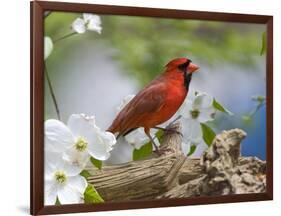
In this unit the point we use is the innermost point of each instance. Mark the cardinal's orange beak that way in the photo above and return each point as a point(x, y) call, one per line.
point(192, 68)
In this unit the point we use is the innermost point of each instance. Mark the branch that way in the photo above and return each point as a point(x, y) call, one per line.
point(220, 170)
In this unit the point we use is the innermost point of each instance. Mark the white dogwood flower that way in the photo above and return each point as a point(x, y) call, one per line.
point(196, 109)
point(48, 47)
point(200, 108)
point(62, 181)
point(90, 22)
point(79, 140)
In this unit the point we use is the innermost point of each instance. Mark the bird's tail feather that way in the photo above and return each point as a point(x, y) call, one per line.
point(120, 133)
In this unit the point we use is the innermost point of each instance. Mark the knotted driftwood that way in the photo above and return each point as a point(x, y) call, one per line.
point(220, 170)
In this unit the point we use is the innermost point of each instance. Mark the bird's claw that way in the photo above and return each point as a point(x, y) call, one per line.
point(158, 152)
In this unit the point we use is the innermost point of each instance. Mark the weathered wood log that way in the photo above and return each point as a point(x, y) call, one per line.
point(220, 170)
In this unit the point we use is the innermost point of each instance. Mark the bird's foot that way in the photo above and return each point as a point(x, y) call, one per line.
point(159, 152)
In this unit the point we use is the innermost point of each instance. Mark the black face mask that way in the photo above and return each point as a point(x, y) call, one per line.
point(187, 76)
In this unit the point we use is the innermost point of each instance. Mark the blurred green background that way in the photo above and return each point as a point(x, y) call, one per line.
point(92, 72)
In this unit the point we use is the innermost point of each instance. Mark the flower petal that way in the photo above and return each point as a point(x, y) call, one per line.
point(137, 138)
point(48, 47)
point(185, 147)
point(93, 27)
point(206, 114)
point(192, 130)
point(121, 153)
point(68, 195)
point(49, 167)
point(200, 149)
point(50, 192)
point(78, 183)
point(76, 158)
point(95, 18)
point(202, 101)
point(57, 136)
point(110, 139)
point(81, 125)
point(57, 163)
point(186, 109)
point(52, 158)
point(79, 25)
point(70, 169)
point(93, 22)
point(100, 144)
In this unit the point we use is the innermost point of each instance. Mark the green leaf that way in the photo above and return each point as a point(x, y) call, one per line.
point(260, 98)
point(91, 195)
point(192, 150)
point(85, 174)
point(263, 46)
point(220, 107)
point(57, 201)
point(159, 134)
point(247, 120)
point(143, 152)
point(97, 163)
point(208, 134)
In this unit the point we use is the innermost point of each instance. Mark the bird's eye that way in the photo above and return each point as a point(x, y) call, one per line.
point(183, 67)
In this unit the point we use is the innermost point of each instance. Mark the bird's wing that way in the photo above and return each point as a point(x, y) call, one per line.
point(147, 101)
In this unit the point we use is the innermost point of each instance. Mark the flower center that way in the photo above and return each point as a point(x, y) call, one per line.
point(81, 144)
point(60, 177)
point(194, 113)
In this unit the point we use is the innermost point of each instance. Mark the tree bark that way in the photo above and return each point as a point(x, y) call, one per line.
point(220, 170)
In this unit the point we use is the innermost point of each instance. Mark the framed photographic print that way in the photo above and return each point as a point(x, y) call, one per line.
point(140, 107)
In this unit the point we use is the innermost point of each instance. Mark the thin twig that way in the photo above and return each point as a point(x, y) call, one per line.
point(65, 36)
point(257, 108)
point(52, 93)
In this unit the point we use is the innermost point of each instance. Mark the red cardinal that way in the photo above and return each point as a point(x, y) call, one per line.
point(158, 101)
